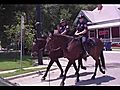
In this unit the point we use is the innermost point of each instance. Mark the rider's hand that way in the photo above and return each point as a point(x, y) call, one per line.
point(75, 36)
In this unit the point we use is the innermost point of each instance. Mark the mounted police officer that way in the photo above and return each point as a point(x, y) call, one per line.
point(62, 27)
point(82, 30)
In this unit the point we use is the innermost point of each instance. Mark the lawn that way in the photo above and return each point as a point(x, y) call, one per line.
point(9, 61)
point(20, 71)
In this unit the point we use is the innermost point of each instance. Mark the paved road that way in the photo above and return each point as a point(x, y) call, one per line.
point(111, 78)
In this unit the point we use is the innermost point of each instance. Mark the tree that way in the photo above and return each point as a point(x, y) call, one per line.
point(11, 24)
point(51, 15)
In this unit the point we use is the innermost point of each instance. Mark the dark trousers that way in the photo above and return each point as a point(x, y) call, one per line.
point(84, 41)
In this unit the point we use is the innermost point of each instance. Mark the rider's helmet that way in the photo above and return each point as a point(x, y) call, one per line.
point(62, 21)
point(81, 16)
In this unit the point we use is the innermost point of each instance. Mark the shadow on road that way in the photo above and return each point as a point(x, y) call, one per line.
point(96, 81)
point(71, 76)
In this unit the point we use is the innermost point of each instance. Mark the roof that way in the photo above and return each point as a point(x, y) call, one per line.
point(108, 12)
point(104, 25)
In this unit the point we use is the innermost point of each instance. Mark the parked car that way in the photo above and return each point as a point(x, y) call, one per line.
point(115, 44)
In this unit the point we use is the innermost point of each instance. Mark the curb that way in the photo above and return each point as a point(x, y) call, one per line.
point(4, 82)
point(2, 72)
point(27, 74)
point(111, 52)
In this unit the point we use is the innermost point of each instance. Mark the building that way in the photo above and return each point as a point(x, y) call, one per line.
point(103, 22)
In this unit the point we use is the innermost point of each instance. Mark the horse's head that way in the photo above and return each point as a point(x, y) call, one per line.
point(49, 43)
point(55, 41)
point(39, 44)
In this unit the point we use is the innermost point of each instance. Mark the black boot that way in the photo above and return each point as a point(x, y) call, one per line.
point(85, 53)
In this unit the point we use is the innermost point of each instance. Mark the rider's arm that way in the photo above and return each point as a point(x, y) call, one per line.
point(56, 30)
point(83, 32)
point(64, 32)
point(58, 27)
point(79, 33)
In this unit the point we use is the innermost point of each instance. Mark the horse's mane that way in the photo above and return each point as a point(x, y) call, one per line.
point(64, 36)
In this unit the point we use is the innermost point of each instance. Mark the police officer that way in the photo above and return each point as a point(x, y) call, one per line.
point(62, 27)
point(82, 30)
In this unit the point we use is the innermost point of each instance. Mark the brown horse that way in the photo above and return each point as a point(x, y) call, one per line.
point(72, 51)
point(54, 55)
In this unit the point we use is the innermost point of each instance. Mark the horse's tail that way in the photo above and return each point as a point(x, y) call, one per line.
point(102, 59)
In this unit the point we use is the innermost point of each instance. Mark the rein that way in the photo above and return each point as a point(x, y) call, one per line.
point(52, 50)
point(40, 39)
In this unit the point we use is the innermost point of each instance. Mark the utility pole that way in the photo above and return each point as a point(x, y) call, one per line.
point(21, 40)
point(39, 30)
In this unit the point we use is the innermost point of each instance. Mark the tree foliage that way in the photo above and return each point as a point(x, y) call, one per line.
point(51, 14)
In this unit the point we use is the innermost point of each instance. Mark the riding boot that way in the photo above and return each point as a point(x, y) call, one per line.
point(85, 53)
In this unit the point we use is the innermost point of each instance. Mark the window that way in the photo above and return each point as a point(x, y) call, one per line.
point(92, 33)
point(104, 33)
point(115, 32)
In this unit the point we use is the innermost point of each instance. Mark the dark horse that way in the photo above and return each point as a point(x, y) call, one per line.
point(72, 51)
point(54, 55)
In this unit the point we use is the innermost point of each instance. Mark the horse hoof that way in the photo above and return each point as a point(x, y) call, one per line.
point(83, 67)
point(62, 84)
point(93, 77)
point(103, 72)
point(43, 78)
point(77, 80)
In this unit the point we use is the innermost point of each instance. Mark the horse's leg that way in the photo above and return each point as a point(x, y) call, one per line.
point(80, 63)
point(96, 66)
point(49, 65)
point(102, 62)
point(77, 72)
point(60, 67)
point(101, 68)
point(66, 69)
point(75, 67)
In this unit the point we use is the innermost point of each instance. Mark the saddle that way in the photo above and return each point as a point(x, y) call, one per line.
point(91, 42)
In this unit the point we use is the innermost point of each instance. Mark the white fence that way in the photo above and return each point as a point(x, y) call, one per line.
point(113, 40)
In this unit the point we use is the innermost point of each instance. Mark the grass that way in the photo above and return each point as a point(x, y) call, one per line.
point(10, 65)
point(20, 71)
point(10, 61)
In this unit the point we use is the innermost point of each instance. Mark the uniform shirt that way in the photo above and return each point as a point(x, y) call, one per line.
point(81, 26)
point(63, 28)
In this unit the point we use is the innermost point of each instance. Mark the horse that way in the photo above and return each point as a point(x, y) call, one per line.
point(72, 50)
point(54, 55)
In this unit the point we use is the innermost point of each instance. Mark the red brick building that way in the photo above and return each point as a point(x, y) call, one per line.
point(103, 22)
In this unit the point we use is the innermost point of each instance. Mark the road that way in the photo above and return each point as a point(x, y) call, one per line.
point(110, 78)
